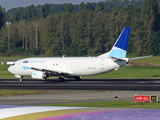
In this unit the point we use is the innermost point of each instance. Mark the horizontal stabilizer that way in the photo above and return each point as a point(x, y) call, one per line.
point(121, 59)
point(140, 57)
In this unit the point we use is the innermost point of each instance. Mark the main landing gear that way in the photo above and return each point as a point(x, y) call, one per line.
point(61, 79)
point(77, 78)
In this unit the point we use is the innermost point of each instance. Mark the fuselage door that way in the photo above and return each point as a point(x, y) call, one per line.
point(102, 64)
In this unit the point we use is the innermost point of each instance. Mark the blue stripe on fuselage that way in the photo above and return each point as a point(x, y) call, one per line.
point(26, 68)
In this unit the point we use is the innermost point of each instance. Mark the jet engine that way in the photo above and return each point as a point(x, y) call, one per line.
point(39, 75)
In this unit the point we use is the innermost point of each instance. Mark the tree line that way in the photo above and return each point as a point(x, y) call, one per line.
point(42, 11)
point(85, 32)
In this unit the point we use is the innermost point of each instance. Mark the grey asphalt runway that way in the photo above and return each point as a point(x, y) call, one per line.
point(85, 84)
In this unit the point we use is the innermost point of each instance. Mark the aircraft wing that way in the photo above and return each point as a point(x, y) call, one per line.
point(56, 72)
point(140, 57)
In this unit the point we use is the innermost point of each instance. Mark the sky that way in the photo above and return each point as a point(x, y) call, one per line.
point(8, 4)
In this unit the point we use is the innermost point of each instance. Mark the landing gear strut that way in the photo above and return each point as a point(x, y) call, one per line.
point(21, 79)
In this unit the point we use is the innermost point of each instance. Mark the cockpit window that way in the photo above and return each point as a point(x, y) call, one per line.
point(13, 64)
point(26, 61)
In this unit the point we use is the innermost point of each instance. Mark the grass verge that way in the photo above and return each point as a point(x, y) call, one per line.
point(131, 72)
point(112, 104)
point(19, 92)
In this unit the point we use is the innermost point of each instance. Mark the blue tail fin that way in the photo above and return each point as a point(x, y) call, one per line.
point(119, 50)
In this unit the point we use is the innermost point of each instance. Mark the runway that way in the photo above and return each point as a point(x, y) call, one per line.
point(85, 84)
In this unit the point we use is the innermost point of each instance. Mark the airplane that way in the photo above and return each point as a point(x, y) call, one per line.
point(44, 67)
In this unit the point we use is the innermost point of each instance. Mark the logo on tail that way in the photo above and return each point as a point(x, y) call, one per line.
point(119, 50)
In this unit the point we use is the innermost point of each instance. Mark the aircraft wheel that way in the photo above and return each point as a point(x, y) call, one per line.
point(61, 79)
point(78, 78)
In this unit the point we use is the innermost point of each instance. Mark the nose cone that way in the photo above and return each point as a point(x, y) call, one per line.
point(11, 70)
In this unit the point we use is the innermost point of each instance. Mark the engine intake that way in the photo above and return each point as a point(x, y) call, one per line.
point(39, 75)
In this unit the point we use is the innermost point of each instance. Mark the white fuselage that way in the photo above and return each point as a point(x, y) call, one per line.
point(74, 66)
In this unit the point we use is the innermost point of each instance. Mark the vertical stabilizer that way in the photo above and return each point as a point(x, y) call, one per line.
point(119, 50)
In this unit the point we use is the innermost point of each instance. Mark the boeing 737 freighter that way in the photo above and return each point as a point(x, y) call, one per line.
point(42, 68)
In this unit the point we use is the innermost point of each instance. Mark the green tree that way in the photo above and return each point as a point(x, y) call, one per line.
point(3, 43)
point(150, 15)
point(100, 6)
point(68, 7)
point(150, 20)
point(2, 16)
point(82, 6)
point(155, 43)
point(31, 12)
point(45, 10)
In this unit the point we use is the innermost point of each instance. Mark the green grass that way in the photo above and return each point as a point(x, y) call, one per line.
point(18, 92)
point(4, 72)
point(112, 104)
point(131, 72)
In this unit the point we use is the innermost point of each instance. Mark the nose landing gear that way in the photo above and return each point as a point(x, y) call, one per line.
point(21, 79)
